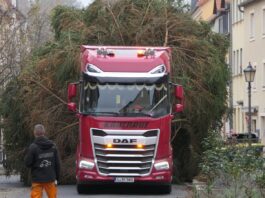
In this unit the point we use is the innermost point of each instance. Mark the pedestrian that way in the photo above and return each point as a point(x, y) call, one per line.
point(43, 159)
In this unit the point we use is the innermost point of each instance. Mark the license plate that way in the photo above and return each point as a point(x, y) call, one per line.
point(124, 180)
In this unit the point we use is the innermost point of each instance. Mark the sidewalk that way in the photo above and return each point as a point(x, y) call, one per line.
point(10, 187)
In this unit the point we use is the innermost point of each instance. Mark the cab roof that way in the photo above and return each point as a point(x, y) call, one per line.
point(125, 59)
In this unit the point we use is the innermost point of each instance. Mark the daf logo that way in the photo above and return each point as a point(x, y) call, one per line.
point(116, 140)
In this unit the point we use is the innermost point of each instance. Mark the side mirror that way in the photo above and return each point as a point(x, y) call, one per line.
point(179, 94)
point(72, 87)
point(179, 108)
point(71, 106)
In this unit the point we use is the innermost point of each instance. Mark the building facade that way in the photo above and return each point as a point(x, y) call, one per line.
point(217, 14)
point(247, 40)
point(254, 42)
point(238, 79)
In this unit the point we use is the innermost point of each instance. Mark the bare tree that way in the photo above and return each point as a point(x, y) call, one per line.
point(12, 24)
point(20, 33)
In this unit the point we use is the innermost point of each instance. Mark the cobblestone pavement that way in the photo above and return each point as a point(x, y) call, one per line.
point(10, 187)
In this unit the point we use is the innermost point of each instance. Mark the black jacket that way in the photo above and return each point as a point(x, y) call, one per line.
point(43, 160)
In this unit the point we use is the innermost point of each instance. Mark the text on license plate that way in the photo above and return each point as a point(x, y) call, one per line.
point(124, 180)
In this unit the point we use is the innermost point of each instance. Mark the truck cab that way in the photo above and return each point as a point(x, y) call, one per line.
point(125, 111)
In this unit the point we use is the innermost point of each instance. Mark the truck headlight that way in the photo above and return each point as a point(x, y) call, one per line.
point(158, 70)
point(161, 165)
point(86, 164)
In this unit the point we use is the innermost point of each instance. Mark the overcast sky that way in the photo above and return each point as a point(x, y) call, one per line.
point(86, 2)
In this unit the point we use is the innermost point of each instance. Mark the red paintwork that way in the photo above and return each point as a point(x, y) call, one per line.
point(94, 176)
point(87, 122)
point(125, 63)
point(164, 150)
point(128, 62)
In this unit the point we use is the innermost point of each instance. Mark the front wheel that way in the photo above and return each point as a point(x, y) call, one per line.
point(81, 188)
point(165, 189)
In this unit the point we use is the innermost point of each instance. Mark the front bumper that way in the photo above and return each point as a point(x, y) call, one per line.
point(156, 178)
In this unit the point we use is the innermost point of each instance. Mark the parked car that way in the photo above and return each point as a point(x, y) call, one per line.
point(243, 138)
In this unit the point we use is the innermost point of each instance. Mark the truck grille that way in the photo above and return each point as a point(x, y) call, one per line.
point(124, 159)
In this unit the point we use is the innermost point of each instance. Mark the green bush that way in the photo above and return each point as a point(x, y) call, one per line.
point(236, 168)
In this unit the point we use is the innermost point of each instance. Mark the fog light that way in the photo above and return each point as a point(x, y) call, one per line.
point(140, 146)
point(162, 166)
point(86, 164)
point(109, 146)
point(159, 177)
point(88, 176)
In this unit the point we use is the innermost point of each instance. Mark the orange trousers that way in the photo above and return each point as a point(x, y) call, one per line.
point(49, 187)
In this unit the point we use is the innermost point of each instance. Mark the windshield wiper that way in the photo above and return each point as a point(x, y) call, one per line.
point(158, 103)
point(104, 112)
point(146, 114)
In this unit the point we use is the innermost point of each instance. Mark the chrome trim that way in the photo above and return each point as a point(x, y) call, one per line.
point(140, 139)
point(124, 162)
point(127, 174)
point(122, 149)
point(145, 163)
point(122, 155)
point(125, 75)
point(123, 168)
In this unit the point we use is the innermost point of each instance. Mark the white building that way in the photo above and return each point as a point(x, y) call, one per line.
point(254, 52)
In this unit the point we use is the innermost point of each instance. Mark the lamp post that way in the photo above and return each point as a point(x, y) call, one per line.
point(249, 77)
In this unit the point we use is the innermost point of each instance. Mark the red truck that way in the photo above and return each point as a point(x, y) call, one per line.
point(125, 113)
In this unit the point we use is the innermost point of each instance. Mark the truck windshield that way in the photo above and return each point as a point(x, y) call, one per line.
point(137, 100)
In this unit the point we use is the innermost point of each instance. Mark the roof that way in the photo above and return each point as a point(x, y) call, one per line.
point(125, 59)
point(219, 5)
point(201, 2)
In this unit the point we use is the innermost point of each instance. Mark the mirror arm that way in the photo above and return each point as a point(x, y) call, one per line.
point(173, 84)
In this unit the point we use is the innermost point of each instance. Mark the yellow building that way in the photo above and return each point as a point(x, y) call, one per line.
point(216, 13)
point(203, 10)
point(238, 79)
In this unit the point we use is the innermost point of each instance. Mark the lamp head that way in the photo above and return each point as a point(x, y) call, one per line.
point(249, 73)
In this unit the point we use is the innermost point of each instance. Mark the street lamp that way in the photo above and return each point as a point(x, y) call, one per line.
point(249, 77)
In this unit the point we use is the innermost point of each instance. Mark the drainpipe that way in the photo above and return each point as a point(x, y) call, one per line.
point(230, 114)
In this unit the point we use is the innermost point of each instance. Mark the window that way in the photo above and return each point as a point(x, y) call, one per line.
point(125, 100)
point(237, 61)
point(263, 76)
point(241, 14)
point(263, 21)
point(221, 25)
point(225, 23)
point(236, 10)
point(251, 25)
point(234, 63)
point(241, 61)
point(255, 78)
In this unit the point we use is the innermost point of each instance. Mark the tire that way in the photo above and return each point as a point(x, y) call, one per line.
point(165, 189)
point(81, 189)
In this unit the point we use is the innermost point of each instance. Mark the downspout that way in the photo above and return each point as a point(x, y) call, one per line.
point(230, 114)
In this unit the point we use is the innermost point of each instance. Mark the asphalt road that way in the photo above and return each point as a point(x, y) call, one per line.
point(12, 188)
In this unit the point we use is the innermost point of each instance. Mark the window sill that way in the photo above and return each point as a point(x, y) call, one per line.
point(251, 39)
point(237, 75)
point(238, 21)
